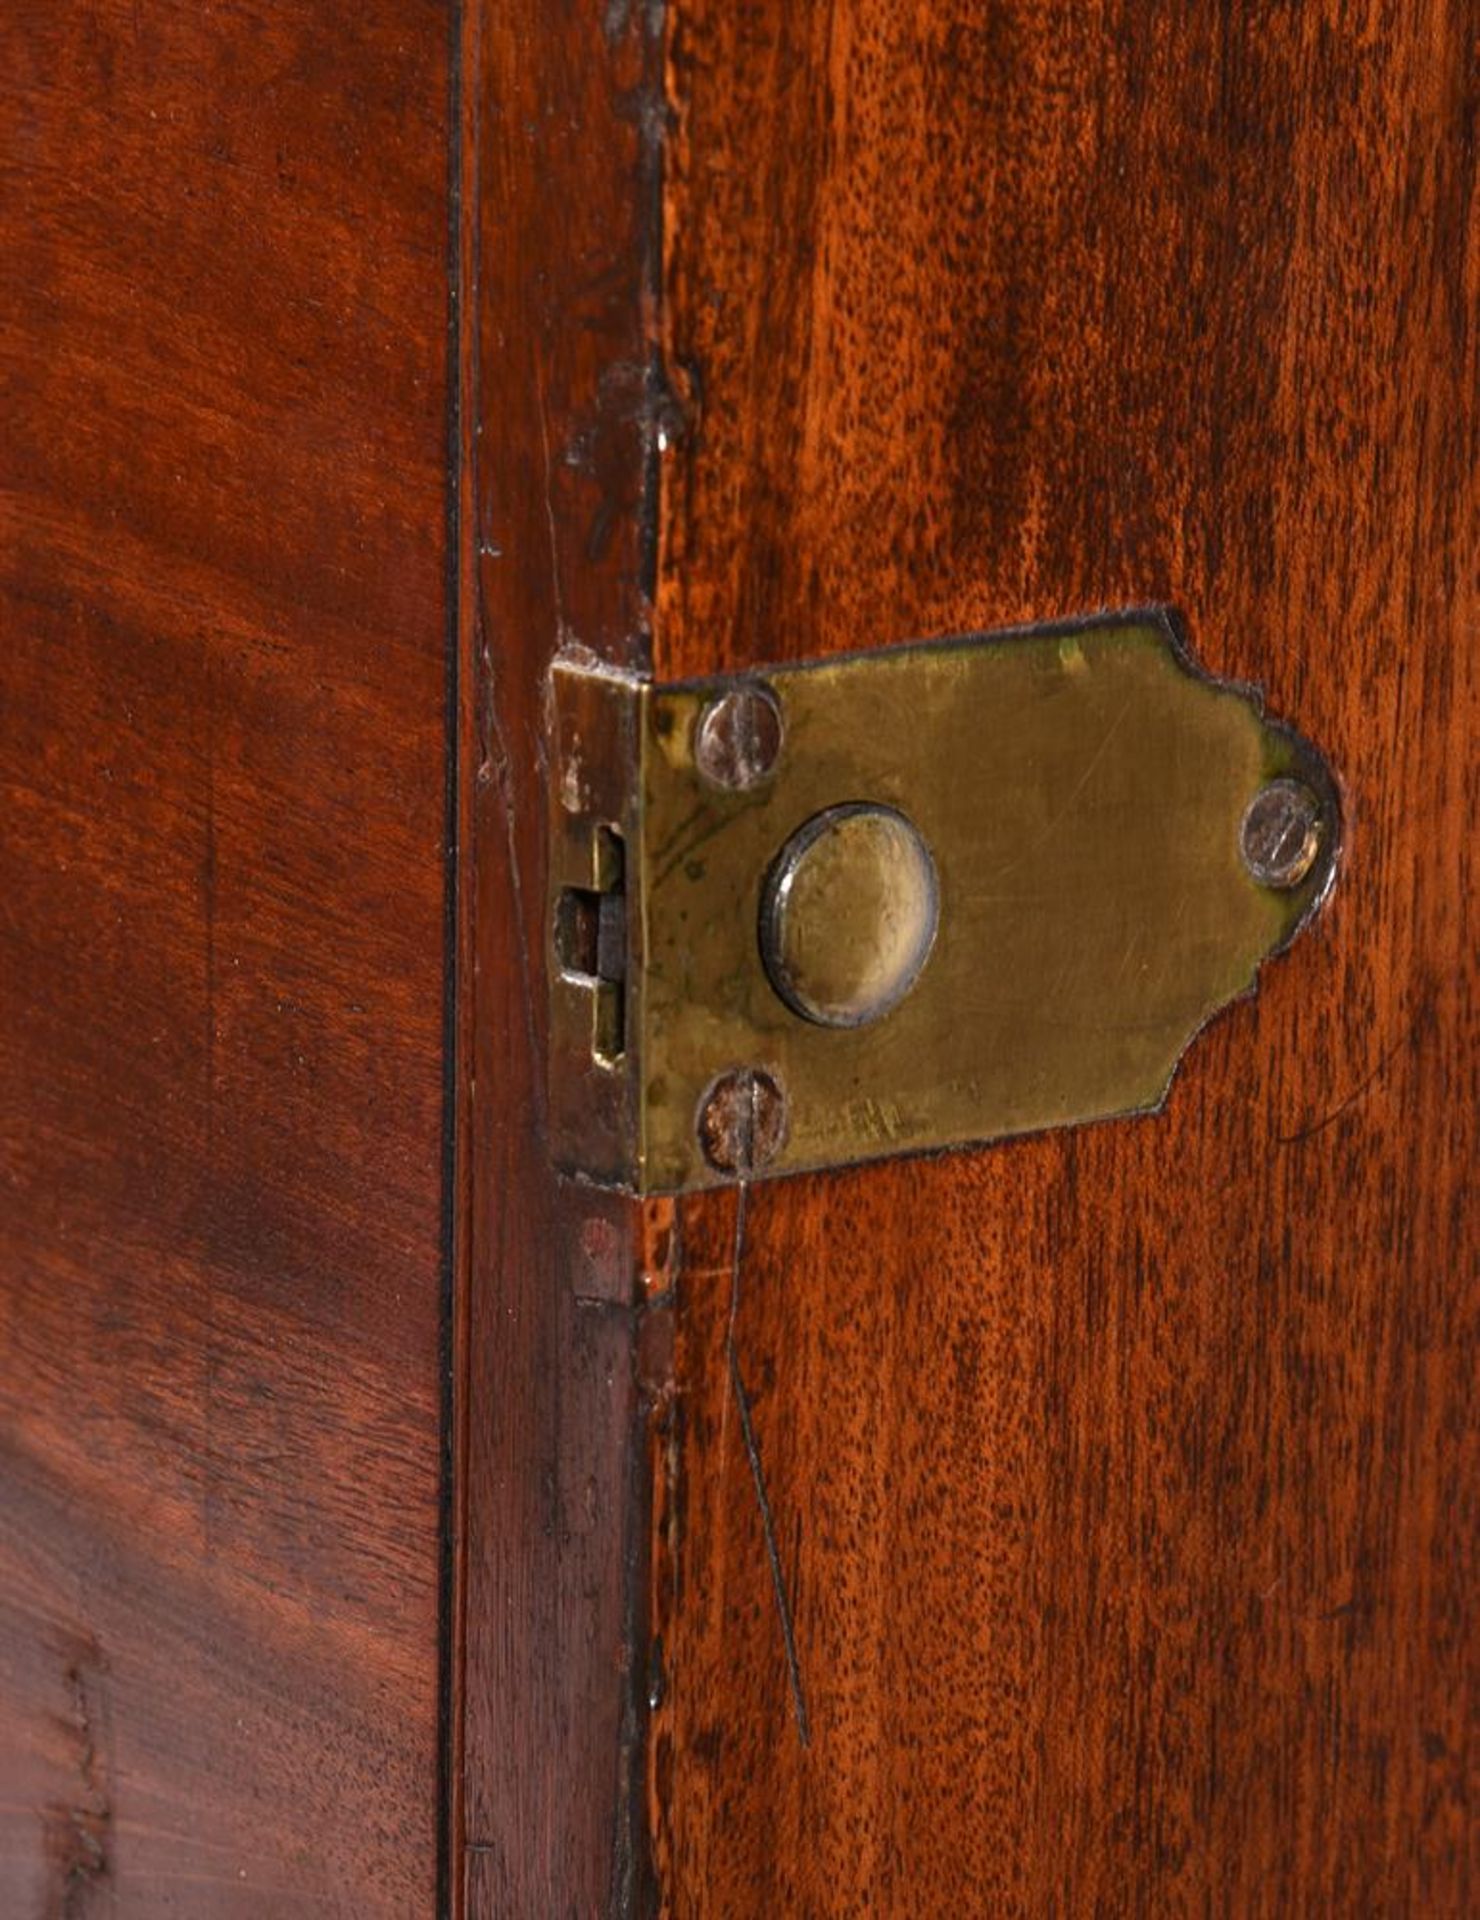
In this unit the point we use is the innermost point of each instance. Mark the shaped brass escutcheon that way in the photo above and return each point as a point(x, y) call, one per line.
point(1096, 847)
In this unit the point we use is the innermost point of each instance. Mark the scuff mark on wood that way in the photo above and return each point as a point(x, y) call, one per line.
point(78, 1826)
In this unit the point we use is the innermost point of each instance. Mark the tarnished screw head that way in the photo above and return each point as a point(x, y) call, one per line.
point(742, 1120)
point(1281, 833)
point(738, 738)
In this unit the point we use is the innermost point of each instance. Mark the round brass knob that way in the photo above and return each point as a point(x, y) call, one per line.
point(848, 914)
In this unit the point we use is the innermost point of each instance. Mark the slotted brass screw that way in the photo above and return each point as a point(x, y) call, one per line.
point(1281, 833)
point(742, 1121)
point(738, 738)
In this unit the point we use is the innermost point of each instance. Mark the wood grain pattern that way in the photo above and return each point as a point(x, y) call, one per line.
point(559, 263)
point(1125, 1482)
point(222, 674)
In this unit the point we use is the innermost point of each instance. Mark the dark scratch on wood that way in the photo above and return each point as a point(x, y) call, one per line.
point(1364, 1086)
point(496, 768)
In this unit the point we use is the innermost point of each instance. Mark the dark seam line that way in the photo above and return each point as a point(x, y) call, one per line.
point(447, 1865)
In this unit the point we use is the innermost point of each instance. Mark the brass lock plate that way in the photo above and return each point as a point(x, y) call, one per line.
point(915, 898)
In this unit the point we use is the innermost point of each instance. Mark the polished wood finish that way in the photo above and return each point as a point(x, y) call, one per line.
point(224, 234)
point(1124, 1482)
point(562, 119)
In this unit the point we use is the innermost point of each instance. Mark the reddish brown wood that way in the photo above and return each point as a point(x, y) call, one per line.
point(563, 118)
point(222, 668)
point(1125, 1481)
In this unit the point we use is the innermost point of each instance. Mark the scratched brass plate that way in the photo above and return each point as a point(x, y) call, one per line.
point(1081, 791)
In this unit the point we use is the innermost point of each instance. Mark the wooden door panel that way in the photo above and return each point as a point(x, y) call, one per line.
point(1122, 1481)
point(392, 1524)
point(222, 723)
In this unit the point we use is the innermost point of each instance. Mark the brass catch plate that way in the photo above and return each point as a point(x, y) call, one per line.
point(1082, 792)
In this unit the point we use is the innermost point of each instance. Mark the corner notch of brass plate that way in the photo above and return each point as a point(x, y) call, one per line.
point(936, 894)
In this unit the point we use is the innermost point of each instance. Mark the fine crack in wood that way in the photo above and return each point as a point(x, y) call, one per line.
point(752, 1446)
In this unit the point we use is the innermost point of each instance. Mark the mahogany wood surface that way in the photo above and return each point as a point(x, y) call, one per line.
point(562, 118)
point(223, 646)
point(1125, 1482)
